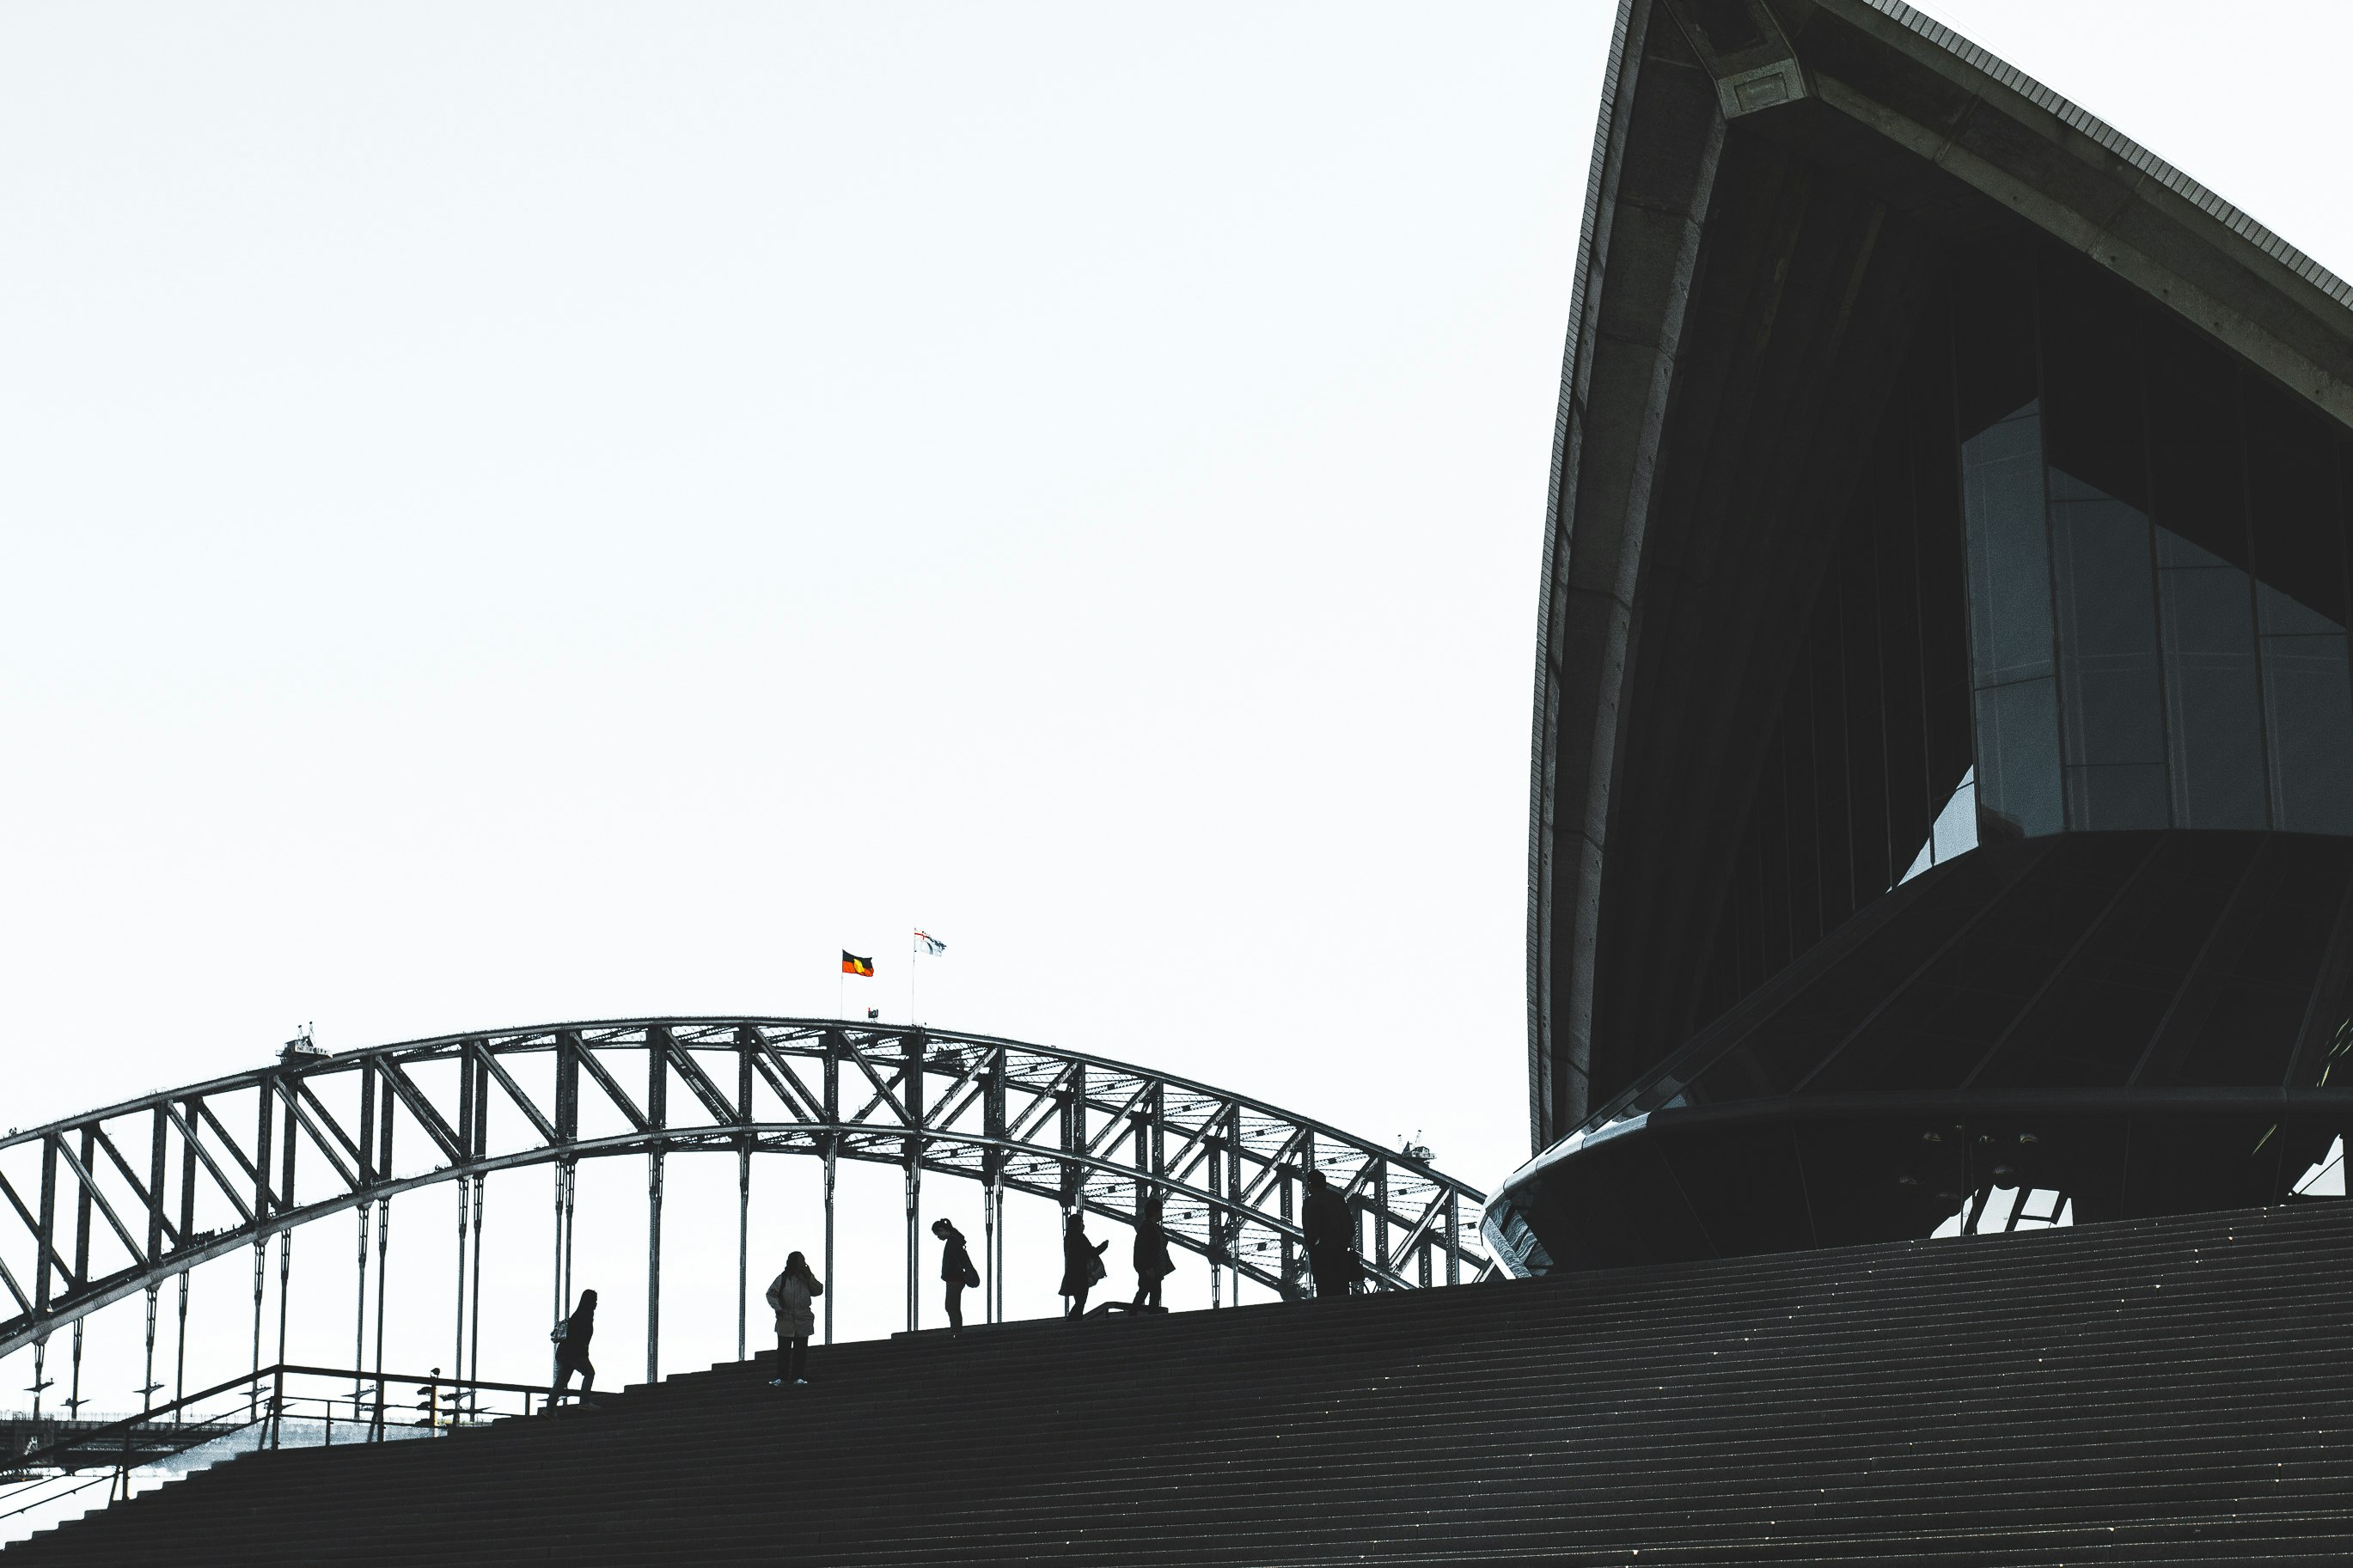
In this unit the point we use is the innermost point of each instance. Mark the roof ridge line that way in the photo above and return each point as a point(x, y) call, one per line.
point(2173, 179)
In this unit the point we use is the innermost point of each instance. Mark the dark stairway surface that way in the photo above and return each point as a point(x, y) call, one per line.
point(2153, 1391)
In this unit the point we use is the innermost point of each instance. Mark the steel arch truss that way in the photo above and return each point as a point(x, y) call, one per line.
point(102, 1206)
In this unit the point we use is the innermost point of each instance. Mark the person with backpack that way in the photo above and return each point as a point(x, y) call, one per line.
point(956, 1271)
point(1082, 1262)
point(572, 1337)
point(793, 1295)
point(1153, 1263)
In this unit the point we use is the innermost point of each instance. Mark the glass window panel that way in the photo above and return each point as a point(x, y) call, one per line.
point(2018, 787)
point(2108, 631)
point(2009, 560)
point(2208, 617)
point(2118, 798)
point(2308, 710)
point(2278, 614)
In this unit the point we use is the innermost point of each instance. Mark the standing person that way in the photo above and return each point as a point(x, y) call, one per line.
point(1153, 1263)
point(571, 1349)
point(956, 1271)
point(1331, 1232)
point(792, 1294)
point(1082, 1263)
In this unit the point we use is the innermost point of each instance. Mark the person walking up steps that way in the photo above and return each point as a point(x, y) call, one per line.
point(1153, 1263)
point(1331, 1235)
point(956, 1271)
point(1082, 1263)
point(572, 1337)
point(792, 1295)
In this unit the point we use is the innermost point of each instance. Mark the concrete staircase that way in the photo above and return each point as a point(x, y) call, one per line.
point(2165, 1392)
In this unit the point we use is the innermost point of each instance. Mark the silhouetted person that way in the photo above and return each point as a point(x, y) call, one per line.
point(572, 1349)
point(1331, 1234)
point(1082, 1263)
point(956, 1271)
point(793, 1294)
point(1153, 1263)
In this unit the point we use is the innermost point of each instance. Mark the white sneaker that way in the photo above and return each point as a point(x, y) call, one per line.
point(800, 1383)
point(775, 1382)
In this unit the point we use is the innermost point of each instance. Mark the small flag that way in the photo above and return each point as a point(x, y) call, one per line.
point(872, 1013)
point(853, 964)
point(933, 946)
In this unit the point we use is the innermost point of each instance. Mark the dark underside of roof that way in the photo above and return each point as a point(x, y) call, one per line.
point(1751, 290)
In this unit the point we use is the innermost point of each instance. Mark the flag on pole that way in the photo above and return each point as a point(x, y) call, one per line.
point(853, 964)
point(933, 946)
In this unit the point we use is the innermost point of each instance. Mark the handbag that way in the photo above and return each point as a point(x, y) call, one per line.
point(563, 1330)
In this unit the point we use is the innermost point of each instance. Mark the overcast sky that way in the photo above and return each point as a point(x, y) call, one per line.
point(514, 512)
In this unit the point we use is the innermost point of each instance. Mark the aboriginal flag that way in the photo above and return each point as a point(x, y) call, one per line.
point(853, 964)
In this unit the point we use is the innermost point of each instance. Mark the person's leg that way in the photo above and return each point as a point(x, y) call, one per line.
point(1078, 1301)
point(588, 1377)
point(799, 1359)
point(955, 1306)
point(1154, 1303)
point(563, 1379)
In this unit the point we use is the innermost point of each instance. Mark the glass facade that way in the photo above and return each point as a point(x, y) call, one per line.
point(2157, 582)
point(2092, 576)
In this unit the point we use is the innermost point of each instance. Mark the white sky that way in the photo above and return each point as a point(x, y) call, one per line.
point(530, 511)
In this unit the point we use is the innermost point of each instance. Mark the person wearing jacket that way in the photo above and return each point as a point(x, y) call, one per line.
point(956, 1271)
point(571, 1349)
point(793, 1295)
point(1153, 1263)
point(1082, 1263)
point(1330, 1232)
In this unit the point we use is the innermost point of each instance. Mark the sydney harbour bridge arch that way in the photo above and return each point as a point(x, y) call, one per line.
point(127, 1200)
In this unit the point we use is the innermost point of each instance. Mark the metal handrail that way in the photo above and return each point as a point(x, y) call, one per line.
point(276, 1374)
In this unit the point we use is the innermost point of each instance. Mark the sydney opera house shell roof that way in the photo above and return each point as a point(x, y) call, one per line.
point(1942, 808)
